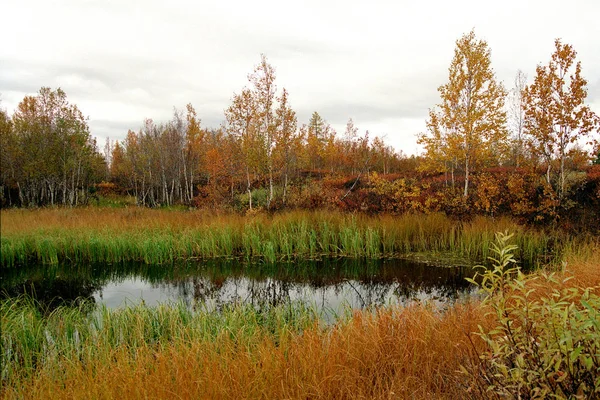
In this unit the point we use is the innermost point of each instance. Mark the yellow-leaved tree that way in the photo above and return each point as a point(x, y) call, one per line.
point(467, 129)
point(242, 124)
point(555, 113)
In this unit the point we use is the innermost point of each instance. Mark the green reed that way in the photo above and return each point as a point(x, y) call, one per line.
point(282, 236)
point(32, 337)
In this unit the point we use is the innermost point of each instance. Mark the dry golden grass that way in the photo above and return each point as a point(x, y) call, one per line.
point(585, 268)
point(24, 221)
point(410, 353)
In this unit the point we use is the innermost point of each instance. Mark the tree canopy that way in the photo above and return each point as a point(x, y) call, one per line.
point(264, 157)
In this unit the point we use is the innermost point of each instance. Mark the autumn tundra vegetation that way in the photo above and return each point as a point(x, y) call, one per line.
point(508, 178)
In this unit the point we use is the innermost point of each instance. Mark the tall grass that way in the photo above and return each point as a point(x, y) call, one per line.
point(33, 339)
point(241, 353)
point(50, 236)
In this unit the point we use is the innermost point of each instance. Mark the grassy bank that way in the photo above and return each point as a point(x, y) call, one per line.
point(50, 236)
point(414, 352)
point(163, 352)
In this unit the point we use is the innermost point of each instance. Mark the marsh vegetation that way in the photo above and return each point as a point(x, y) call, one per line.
point(251, 222)
point(50, 236)
point(271, 349)
point(282, 351)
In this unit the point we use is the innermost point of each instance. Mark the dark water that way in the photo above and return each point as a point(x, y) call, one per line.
point(331, 285)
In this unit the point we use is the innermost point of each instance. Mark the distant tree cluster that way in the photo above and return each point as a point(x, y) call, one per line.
point(486, 150)
point(257, 157)
point(47, 153)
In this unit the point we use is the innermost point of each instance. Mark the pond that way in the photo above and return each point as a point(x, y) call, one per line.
point(332, 286)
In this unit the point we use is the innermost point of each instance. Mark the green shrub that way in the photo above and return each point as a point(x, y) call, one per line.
point(546, 342)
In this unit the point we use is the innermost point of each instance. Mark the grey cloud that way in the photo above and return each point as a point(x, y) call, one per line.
point(155, 78)
point(396, 99)
point(340, 113)
point(291, 47)
point(12, 85)
point(112, 125)
point(594, 91)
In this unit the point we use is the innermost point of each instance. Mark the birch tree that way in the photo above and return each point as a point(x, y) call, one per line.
point(469, 125)
point(516, 116)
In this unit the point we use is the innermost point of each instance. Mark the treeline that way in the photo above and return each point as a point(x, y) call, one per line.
point(48, 156)
point(255, 158)
point(181, 162)
point(487, 150)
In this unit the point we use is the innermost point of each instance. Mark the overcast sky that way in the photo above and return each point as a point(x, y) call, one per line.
point(378, 62)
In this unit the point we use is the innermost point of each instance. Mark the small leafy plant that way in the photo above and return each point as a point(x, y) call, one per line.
point(546, 342)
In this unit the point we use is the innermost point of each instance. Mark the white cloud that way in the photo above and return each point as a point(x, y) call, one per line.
point(378, 62)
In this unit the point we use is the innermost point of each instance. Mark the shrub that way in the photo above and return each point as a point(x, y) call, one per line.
point(546, 342)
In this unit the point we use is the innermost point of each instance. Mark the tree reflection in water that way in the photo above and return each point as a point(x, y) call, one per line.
point(217, 283)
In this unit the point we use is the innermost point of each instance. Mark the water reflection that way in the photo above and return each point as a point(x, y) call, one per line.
point(331, 284)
